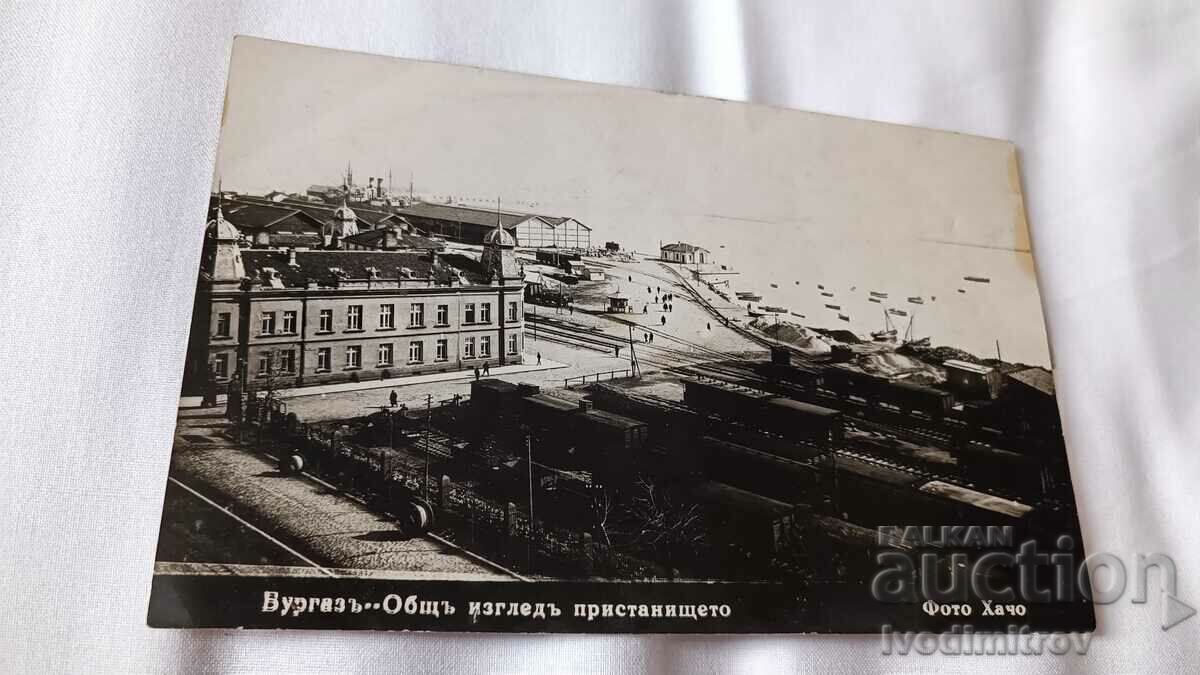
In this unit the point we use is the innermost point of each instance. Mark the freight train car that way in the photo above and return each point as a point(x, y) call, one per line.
point(743, 519)
point(874, 494)
point(755, 409)
point(879, 392)
point(802, 377)
point(790, 479)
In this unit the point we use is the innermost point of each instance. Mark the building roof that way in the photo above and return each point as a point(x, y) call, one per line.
point(967, 366)
point(253, 217)
point(371, 238)
point(463, 214)
point(319, 265)
point(1038, 379)
point(681, 247)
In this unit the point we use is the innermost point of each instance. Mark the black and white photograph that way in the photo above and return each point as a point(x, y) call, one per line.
point(473, 350)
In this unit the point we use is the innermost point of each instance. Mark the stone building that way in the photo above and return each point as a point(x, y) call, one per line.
point(289, 318)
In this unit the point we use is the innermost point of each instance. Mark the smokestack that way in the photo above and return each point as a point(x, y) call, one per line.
point(292, 258)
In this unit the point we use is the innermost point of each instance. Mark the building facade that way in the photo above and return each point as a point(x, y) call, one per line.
point(686, 254)
point(271, 318)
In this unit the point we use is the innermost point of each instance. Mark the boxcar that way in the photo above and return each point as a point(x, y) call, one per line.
point(795, 419)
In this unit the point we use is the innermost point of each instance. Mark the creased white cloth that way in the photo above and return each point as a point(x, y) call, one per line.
point(108, 128)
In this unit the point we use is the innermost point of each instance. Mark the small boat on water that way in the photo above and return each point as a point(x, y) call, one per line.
point(797, 283)
point(798, 314)
point(888, 334)
point(854, 288)
point(879, 294)
point(916, 300)
point(897, 312)
point(962, 290)
point(978, 280)
point(827, 294)
point(923, 342)
point(772, 309)
point(748, 295)
point(933, 298)
point(843, 317)
point(821, 286)
point(833, 306)
point(875, 300)
point(774, 285)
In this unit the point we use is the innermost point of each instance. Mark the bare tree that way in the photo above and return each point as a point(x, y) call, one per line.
point(602, 508)
point(663, 524)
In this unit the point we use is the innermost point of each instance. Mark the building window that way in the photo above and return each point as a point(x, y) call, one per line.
point(324, 357)
point(485, 312)
point(385, 354)
point(354, 357)
point(268, 323)
point(354, 317)
point(223, 321)
point(443, 315)
point(469, 312)
point(416, 351)
point(387, 316)
point(512, 310)
point(287, 361)
point(441, 350)
point(416, 315)
point(469, 348)
point(289, 322)
point(485, 347)
point(221, 366)
point(326, 321)
point(512, 343)
point(264, 365)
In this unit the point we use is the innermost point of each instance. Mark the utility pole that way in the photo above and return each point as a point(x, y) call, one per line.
point(529, 465)
point(428, 415)
point(633, 365)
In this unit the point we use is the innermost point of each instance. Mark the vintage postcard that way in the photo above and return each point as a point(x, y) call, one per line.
point(480, 351)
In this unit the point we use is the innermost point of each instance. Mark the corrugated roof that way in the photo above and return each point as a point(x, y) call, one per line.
point(463, 214)
point(977, 499)
point(1035, 378)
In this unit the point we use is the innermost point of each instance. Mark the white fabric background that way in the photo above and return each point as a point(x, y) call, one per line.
point(108, 130)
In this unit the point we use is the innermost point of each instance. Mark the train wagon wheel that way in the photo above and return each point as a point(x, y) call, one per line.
point(291, 463)
point(417, 516)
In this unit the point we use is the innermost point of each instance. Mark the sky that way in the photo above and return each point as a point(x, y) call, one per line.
point(792, 196)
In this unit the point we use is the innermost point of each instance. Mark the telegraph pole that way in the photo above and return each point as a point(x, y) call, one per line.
point(428, 415)
point(529, 466)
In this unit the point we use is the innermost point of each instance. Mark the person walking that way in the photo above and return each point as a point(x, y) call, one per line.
point(539, 354)
point(664, 320)
point(393, 398)
point(487, 370)
point(477, 372)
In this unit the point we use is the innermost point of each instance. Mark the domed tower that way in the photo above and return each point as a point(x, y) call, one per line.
point(500, 264)
point(499, 257)
point(345, 222)
point(222, 256)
